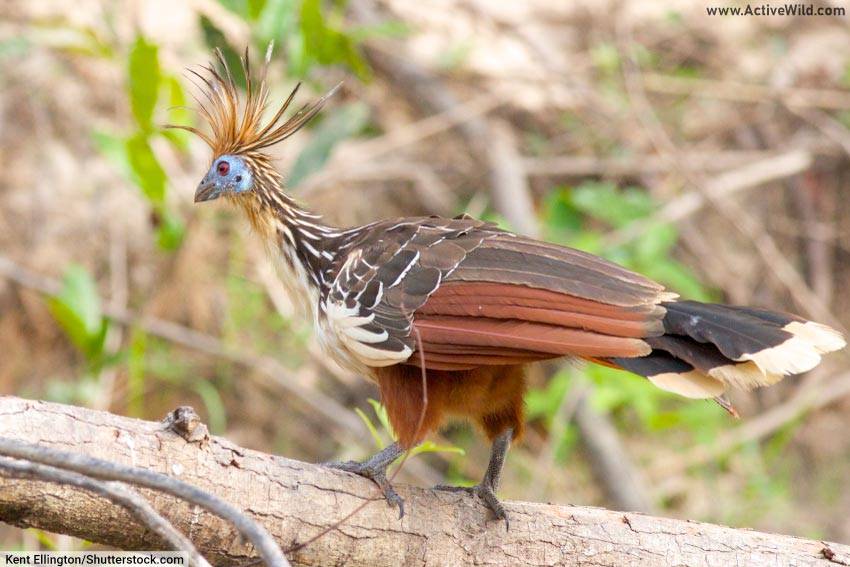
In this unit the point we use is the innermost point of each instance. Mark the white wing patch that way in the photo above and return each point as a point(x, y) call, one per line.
point(691, 384)
point(347, 324)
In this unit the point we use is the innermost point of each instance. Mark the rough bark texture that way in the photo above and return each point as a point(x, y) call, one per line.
point(296, 500)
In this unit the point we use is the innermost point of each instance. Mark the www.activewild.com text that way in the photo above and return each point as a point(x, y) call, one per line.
point(776, 10)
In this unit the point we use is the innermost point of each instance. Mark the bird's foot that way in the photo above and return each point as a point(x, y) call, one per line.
point(487, 494)
point(378, 475)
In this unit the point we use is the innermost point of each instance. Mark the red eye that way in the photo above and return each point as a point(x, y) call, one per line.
point(223, 168)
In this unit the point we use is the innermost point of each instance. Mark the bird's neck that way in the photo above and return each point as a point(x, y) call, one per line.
point(302, 247)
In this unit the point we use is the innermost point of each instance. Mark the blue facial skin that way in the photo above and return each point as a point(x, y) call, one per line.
point(228, 175)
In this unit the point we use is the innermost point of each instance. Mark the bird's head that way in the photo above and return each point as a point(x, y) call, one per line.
point(229, 174)
point(238, 136)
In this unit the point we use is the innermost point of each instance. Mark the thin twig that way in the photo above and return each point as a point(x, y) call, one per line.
point(828, 126)
point(432, 192)
point(369, 151)
point(105, 470)
point(749, 176)
point(509, 183)
point(579, 166)
point(746, 92)
point(115, 492)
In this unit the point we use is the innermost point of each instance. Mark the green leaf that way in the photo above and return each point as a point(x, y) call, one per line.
point(431, 447)
point(235, 6)
point(680, 279)
point(559, 214)
point(313, 28)
point(544, 402)
point(14, 47)
point(137, 162)
point(71, 323)
point(96, 355)
point(77, 309)
point(79, 292)
point(216, 412)
point(147, 172)
point(144, 77)
point(59, 35)
point(279, 20)
point(383, 418)
point(114, 149)
point(328, 45)
point(655, 243)
point(136, 368)
point(567, 443)
point(455, 56)
point(592, 242)
point(703, 418)
point(45, 539)
point(341, 124)
point(391, 29)
point(606, 57)
point(82, 391)
point(605, 202)
point(214, 38)
point(255, 8)
point(620, 389)
point(177, 113)
point(248, 9)
point(170, 231)
point(376, 436)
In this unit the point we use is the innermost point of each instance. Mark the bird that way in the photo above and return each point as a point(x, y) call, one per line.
point(445, 315)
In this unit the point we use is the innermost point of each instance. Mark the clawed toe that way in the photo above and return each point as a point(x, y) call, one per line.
point(376, 475)
point(486, 494)
point(390, 495)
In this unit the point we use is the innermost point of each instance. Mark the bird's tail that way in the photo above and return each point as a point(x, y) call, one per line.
point(707, 347)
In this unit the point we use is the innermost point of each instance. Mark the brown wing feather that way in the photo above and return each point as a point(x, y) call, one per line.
point(510, 259)
point(459, 293)
point(496, 338)
point(498, 301)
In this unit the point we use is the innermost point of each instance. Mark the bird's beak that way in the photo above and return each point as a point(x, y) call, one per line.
point(206, 191)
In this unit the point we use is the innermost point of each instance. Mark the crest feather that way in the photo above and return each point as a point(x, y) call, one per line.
point(236, 125)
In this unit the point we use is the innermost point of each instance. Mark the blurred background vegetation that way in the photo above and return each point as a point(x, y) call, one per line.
point(708, 153)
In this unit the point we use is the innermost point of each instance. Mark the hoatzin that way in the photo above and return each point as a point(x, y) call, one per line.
point(472, 303)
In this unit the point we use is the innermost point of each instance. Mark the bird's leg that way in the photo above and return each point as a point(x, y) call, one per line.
point(375, 469)
point(486, 489)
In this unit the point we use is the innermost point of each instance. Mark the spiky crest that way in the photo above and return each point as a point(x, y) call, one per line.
point(236, 125)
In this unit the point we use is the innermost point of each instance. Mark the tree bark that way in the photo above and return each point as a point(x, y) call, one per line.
point(295, 501)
